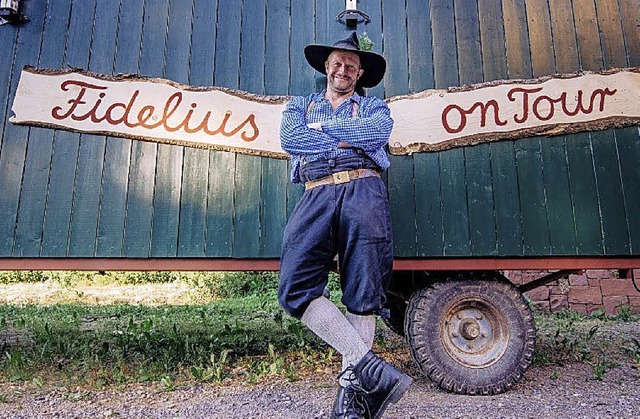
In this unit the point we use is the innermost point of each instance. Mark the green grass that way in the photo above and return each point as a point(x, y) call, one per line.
point(233, 329)
point(567, 336)
point(239, 330)
point(122, 343)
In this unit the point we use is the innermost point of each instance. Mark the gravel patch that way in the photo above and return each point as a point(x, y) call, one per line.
point(545, 392)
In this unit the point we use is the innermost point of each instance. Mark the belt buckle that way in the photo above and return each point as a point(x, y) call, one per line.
point(341, 177)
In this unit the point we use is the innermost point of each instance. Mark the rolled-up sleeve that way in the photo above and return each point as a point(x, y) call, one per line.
point(296, 137)
point(369, 132)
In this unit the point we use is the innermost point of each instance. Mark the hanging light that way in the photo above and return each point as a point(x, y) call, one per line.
point(351, 15)
point(10, 12)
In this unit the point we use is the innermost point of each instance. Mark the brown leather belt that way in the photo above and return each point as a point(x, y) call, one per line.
point(341, 177)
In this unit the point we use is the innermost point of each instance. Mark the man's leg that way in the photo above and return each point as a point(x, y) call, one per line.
point(366, 328)
point(329, 324)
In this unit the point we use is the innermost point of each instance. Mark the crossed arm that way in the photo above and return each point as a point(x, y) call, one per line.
point(369, 132)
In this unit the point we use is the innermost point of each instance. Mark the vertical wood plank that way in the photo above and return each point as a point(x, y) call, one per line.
point(195, 173)
point(492, 39)
point(253, 61)
point(444, 47)
point(86, 202)
point(273, 193)
point(428, 211)
point(628, 140)
point(169, 165)
point(400, 176)
point(610, 194)
point(420, 48)
point(615, 217)
point(583, 192)
point(562, 234)
point(203, 40)
point(64, 165)
point(273, 208)
point(374, 30)
point(562, 224)
point(541, 44)
point(630, 13)
point(455, 212)
point(142, 171)
point(611, 37)
point(137, 233)
point(302, 76)
point(468, 41)
point(477, 160)
point(500, 190)
point(482, 224)
point(33, 195)
point(532, 197)
point(115, 178)
point(14, 141)
point(8, 43)
point(220, 204)
point(246, 219)
point(588, 35)
point(396, 80)
point(430, 240)
point(227, 74)
point(516, 39)
point(507, 199)
point(564, 36)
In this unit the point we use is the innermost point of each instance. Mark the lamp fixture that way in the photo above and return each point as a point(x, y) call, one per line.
point(351, 15)
point(10, 12)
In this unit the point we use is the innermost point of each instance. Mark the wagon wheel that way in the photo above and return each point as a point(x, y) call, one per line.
point(397, 309)
point(471, 336)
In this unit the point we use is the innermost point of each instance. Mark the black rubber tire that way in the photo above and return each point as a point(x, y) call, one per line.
point(397, 312)
point(471, 336)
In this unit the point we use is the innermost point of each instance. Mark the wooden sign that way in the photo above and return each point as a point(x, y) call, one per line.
point(150, 109)
point(433, 120)
point(436, 120)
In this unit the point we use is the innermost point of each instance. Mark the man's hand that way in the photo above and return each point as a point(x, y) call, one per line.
point(315, 125)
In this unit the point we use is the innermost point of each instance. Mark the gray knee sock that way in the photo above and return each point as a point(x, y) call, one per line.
point(366, 328)
point(327, 321)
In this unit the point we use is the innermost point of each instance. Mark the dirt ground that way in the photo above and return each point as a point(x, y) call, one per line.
point(545, 392)
point(567, 391)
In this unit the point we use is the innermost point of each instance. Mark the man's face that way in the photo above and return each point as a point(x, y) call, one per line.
point(343, 71)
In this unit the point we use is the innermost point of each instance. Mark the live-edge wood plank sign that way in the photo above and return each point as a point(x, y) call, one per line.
point(433, 120)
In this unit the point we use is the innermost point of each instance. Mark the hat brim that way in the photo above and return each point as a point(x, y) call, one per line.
point(374, 65)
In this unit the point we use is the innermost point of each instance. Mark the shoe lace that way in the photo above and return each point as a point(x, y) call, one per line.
point(355, 405)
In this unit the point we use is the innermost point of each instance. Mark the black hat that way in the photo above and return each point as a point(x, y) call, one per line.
point(374, 65)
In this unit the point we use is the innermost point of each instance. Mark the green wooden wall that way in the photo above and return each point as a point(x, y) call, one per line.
point(65, 194)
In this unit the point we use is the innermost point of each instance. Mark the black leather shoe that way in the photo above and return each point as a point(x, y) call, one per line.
point(350, 404)
point(380, 382)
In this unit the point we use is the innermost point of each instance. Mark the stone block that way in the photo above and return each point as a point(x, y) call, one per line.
point(622, 287)
point(542, 305)
point(612, 304)
point(538, 294)
point(558, 290)
point(558, 302)
point(578, 308)
point(634, 302)
point(585, 295)
point(578, 279)
point(598, 273)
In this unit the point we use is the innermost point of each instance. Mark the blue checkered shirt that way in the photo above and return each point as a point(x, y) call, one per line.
point(369, 130)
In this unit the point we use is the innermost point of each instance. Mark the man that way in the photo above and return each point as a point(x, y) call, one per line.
point(336, 140)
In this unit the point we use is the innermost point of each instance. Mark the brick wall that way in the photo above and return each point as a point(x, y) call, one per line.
point(584, 292)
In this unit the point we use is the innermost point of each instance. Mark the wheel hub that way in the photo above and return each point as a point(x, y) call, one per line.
point(475, 333)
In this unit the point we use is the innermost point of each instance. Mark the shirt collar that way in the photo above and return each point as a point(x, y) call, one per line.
point(318, 97)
